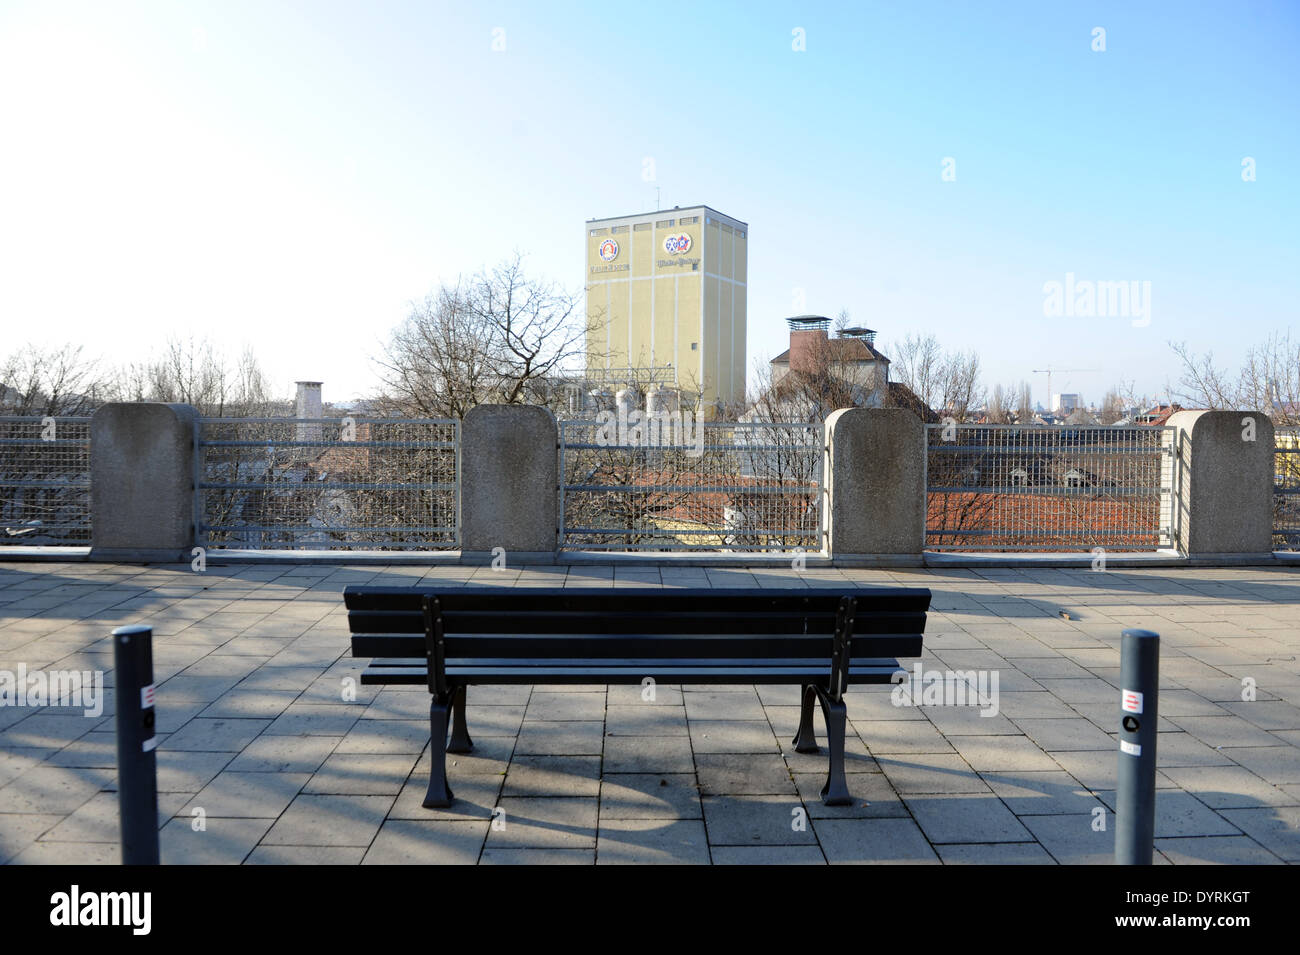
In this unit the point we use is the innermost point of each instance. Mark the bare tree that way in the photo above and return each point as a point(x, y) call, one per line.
point(50, 381)
point(500, 337)
point(999, 409)
point(1268, 380)
point(194, 372)
point(1024, 406)
point(949, 382)
point(1112, 408)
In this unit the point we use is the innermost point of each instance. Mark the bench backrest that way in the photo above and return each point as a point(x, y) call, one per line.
point(654, 624)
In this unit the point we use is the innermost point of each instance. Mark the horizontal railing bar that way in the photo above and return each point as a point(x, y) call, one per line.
point(1051, 490)
point(320, 485)
point(1059, 532)
point(789, 448)
point(331, 529)
point(691, 488)
point(357, 419)
point(412, 445)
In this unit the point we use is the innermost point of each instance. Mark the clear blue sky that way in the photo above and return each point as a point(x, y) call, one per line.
point(291, 175)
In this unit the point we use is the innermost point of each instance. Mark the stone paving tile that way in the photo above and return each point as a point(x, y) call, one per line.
point(48, 789)
point(548, 705)
point(1003, 753)
point(306, 855)
point(648, 754)
point(874, 842)
point(652, 842)
point(329, 820)
point(1277, 764)
point(1178, 750)
point(494, 856)
point(284, 754)
point(20, 830)
point(931, 773)
point(544, 823)
point(427, 842)
point(701, 707)
point(902, 737)
point(724, 774)
point(560, 737)
point(247, 795)
point(215, 735)
point(553, 776)
point(1071, 839)
point(1276, 828)
point(997, 853)
point(1216, 850)
point(649, 796)
point(1267, 715)
point(1062, 735)
point(733, 736)
point(221, 842)
point(98, 819)
point(475, 797)
point(69, 853)
point(251, 704)
point(645, 719)
point(365, 773)
point(1041, 793)
point(768, 855)
point(966, 818)
point(314, 719)
point(1225, 731)
point(756, 820)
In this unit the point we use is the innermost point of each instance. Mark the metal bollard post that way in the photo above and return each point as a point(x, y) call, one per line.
point(1135, 807)
point(137, 763)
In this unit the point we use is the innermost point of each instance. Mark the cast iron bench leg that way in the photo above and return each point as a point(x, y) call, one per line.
point(439, 794)
point(836, 790)
point(460, 741)
point(805, 741)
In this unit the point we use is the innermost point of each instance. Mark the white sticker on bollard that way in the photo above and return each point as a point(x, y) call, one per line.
point(1133, 749)
point(1130, 701)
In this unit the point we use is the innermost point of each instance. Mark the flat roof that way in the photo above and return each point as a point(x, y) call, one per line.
point(675, 212)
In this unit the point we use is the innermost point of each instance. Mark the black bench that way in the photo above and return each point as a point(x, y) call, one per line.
point(449, 638)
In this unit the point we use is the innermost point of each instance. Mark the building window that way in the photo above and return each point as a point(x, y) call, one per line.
point(618, 230)
point(599, 232)
point(728, 229)
point(664, 224)
point(695, 346)
point(640, 226)
point(689, 220)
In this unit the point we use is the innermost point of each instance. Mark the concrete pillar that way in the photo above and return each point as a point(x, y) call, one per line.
point(1225, 483)
point(142, 481)
point(875, 482)
point(508, 482)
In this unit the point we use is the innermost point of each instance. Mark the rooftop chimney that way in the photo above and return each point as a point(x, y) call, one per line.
point(867, 335)
point(807, 335)
point(308, 406)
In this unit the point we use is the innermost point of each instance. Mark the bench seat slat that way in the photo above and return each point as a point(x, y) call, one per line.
point(599, 646)
point(738, 620)
point(670, 676)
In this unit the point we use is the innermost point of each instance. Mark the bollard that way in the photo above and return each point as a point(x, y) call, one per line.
point(1135, 806)
point(137, 762)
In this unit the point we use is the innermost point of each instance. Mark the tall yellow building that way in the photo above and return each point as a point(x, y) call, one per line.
point(666, 291)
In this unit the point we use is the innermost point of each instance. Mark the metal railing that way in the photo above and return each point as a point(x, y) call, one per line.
point(721, 486)
point(1014, 488)
point(328, 483)
point(45, 481)
point(1286, 489)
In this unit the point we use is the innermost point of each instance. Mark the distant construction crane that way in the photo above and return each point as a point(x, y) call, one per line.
point(1049, 371)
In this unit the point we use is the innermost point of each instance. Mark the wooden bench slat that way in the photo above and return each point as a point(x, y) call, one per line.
point(602, 646)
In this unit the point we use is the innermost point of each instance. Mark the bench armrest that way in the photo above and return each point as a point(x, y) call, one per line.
point(435, 646)
point(842, 649)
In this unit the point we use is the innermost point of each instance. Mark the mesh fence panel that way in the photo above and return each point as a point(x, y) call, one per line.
point(729, 487)
point(1286, 489)
point(45, 481)
point(328, 483)
point(1009, 488)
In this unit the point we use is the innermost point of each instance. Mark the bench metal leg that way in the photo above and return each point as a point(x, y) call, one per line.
point(836, 790)
point(439, 794)
point(460, 741)
point(805, 741)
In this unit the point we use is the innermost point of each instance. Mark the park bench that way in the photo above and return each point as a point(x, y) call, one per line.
point(821, 639)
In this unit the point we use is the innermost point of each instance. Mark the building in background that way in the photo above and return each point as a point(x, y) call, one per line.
point(666, 304)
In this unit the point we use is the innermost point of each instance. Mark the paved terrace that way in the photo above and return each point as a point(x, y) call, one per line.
point(254, 729)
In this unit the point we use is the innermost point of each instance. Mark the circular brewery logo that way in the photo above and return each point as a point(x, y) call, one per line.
point(609, 250)
point(677, 244)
